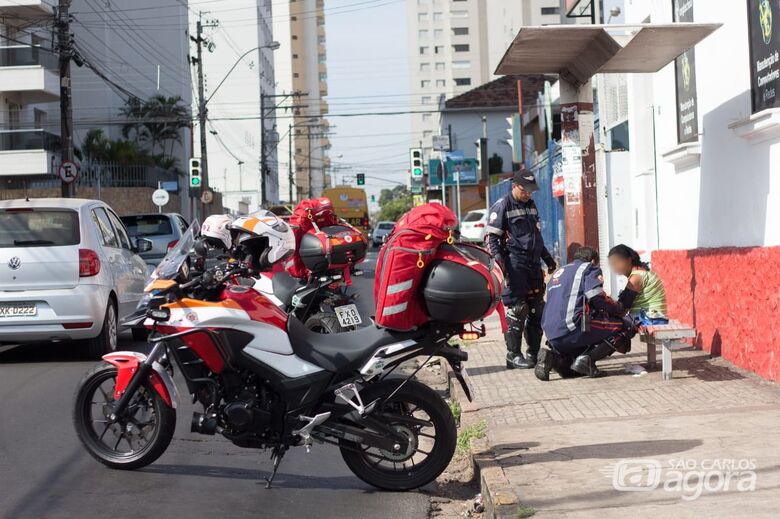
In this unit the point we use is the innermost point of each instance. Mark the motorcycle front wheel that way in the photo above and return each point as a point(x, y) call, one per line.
point(137, 438)
point(417, 412)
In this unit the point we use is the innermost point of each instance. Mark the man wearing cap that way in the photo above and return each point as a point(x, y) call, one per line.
point(514, 237)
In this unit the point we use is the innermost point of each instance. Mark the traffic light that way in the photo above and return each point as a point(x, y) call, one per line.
point(373, 198)
point(416, 160)
point(195, 179)
point(482, 158)
point(361, 179)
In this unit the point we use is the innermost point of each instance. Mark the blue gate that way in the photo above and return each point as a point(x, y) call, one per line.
point(551, 210)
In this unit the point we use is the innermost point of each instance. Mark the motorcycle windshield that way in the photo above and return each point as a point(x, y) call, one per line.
point(171, 264)
point(168, 268)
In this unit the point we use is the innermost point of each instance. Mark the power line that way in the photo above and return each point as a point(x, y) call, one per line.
point(303, 15)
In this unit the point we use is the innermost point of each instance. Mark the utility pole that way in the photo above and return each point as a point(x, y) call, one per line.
point(308, 141)
point(289, 162)
point(66, 109)
point(202, 111)
point(204, 161)
point(263, 179)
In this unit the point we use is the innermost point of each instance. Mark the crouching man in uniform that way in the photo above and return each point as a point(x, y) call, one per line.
point(580, 321)
point(514, 238)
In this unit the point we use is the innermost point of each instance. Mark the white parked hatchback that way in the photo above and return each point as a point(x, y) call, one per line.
point(472, 228)
point(68, 270)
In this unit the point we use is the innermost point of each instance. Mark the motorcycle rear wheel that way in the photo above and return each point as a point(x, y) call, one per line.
point(431, 447)
point(148, 421)
point(324, 322)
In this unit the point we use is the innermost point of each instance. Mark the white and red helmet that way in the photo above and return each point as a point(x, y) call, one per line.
point(216, 230)
point(264, 236)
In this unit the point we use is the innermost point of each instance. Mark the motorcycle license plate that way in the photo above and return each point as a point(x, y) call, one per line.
point(348, 315)
point(18, 310)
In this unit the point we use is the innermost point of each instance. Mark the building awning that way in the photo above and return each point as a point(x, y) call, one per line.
point(577, 52)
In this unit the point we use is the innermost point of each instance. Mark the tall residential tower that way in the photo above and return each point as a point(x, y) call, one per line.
point(455, 45)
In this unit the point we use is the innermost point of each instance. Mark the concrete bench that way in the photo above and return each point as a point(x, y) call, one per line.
point(670, 337)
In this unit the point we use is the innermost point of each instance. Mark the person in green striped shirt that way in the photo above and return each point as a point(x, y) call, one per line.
point(644, 295)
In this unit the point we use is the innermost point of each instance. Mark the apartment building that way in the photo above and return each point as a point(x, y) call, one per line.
point(455, 45)
point(139, 45)
point(301, 68)
point(28, 78)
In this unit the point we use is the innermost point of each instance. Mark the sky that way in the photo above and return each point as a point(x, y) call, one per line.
point(368, 72)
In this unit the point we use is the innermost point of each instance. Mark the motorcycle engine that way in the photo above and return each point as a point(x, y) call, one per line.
point(247, 411)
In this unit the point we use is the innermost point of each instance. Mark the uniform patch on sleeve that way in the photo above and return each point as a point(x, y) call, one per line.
point(493, 217)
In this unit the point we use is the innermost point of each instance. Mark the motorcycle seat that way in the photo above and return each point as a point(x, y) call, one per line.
point(341, 352)
point(284, 287)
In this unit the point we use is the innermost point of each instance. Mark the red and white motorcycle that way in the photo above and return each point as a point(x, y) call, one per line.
point(267, 382)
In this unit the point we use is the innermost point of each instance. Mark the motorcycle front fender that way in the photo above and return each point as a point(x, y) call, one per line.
point(127, 362)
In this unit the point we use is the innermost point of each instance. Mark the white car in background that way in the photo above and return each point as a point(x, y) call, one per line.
point(68, 270)
point(381, 231)
point(472, 228)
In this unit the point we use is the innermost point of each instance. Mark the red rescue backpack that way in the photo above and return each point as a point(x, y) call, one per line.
point(402, 261)
point(308, 214)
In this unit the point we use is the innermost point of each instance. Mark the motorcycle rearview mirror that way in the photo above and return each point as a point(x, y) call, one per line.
point(143, 245)
point(158, 314)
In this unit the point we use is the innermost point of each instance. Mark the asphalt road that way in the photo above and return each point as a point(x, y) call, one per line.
point(44, 471)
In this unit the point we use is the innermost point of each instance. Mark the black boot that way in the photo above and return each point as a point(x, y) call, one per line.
point(585, 364)
point(548, 360)
point(514, 357)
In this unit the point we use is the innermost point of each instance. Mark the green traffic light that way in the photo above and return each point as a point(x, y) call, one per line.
point(417, 172)
point(195, 181)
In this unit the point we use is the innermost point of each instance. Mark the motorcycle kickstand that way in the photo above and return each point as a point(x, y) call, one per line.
point(276, 458)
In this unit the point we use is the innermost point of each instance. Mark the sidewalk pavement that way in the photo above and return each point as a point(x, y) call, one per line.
point(704, 444)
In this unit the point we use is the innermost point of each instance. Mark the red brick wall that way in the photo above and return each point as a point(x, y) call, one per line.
point(732, 297)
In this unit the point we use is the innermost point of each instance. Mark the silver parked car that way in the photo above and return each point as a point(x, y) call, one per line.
point(381, 230)
point(162, 229)
point(68, 270)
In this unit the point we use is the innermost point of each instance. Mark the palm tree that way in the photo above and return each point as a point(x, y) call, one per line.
point(134, 111)
point(95, 146)
point(165, 117)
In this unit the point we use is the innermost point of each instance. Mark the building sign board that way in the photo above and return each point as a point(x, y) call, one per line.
point(764, 31)
point(685, 71)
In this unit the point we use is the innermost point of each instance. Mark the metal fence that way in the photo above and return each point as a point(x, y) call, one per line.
point(100, 175)
point(551, 209)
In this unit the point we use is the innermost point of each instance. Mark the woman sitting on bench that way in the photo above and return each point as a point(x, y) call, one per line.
point(644, 294)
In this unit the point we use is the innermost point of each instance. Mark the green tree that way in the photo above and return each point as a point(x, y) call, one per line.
point(98, 148)
point(155, 124)
point(164, 118)
point(134, 112)
point(393, 203)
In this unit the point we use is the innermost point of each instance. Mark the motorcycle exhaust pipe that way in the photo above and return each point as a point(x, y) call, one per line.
point(202, 424)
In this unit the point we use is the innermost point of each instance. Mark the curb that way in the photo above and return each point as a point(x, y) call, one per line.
point(499, 497)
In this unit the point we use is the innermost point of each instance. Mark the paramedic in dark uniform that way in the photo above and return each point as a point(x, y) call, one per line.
point(580, 321)
point(514, 237)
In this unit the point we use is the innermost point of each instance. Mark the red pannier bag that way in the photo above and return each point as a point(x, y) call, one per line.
point(402, 262)
point(310, 213)
point(463, 284)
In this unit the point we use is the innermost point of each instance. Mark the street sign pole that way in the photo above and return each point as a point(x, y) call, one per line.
point(443, 181)
point(457, 188)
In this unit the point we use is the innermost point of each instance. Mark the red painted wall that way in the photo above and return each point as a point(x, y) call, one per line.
point(732, 297)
